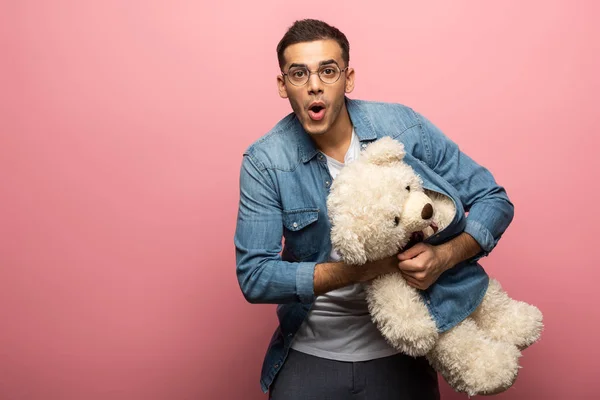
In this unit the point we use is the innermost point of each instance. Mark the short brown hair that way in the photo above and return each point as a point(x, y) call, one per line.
point(309, 30)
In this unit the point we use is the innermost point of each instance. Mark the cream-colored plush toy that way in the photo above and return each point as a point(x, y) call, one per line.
point(373, 216)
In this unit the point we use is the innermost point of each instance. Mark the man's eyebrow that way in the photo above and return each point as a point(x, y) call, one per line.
point(326, 62)
point(331, 61)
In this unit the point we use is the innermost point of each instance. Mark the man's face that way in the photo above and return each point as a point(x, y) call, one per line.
point(316, 104)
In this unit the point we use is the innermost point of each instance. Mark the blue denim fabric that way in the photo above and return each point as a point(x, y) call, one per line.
point(284, 183)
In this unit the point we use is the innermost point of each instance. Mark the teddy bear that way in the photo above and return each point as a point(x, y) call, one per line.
point(377, 206)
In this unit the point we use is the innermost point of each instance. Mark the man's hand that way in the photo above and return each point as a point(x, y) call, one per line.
point(422, 264)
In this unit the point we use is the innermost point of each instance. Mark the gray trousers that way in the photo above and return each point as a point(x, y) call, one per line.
point(398, 377)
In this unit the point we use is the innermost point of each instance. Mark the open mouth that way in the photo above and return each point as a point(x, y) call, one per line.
point(415, 237)
point(316, 112)
point(419, 236)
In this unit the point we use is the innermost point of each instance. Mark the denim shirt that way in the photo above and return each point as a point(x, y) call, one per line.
point(284, 183)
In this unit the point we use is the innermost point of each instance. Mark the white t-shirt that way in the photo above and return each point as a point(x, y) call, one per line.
point(339, 325)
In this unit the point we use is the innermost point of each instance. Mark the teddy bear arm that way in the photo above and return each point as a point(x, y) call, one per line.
point(400, 314)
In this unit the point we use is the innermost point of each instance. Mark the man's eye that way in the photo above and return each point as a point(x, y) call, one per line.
point(298, 74)
point(328, 71)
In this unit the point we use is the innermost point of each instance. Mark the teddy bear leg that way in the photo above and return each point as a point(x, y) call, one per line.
point(508, 320)
point(400, 314)
point(472, 363)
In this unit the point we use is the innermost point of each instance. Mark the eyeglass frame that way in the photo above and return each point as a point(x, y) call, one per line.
point(284, 74)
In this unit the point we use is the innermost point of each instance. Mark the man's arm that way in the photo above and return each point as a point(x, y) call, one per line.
point(490, 211)
point(459, 249)
point(330, 276)
point(262, 275)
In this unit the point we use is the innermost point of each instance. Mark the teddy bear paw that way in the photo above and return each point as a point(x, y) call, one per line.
point(411, 342)
point(523, 327)
point(504, 319)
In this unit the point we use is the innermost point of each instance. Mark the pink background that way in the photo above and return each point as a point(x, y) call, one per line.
point(122, 125)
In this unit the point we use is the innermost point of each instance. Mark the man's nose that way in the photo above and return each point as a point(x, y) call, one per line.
point(314, 84)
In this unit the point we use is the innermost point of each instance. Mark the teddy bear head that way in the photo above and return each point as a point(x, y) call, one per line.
point(377, 204)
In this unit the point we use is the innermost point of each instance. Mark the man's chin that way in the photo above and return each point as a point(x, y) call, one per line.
point(316, 133)
point(318, 128)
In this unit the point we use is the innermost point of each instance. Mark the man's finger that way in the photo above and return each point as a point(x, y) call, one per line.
point(410, 266)
point(417, 284)
point(419, 276)
point(412, 282)
point(412, 252)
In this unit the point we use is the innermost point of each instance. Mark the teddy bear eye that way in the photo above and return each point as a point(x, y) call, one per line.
point(396, 221)
point(408, 188)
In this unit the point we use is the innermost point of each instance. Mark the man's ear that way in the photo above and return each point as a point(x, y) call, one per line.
point(281, 87)
point(349, 80)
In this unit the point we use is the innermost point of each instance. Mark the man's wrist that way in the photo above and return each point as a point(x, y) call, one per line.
point(459, 249)
point(445, 250)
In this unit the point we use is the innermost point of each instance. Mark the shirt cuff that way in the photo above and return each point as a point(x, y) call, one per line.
point(482, 235)
point(305, 282)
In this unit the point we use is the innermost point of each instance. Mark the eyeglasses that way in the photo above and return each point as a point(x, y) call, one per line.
point(329, 74)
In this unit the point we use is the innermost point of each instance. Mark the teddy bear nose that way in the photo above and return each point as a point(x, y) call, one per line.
point(427, 211)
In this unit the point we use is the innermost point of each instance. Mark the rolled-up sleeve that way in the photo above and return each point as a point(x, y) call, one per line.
point(262, 275)
point(490, 210)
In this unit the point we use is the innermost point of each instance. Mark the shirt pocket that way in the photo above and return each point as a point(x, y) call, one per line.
point(301, 232)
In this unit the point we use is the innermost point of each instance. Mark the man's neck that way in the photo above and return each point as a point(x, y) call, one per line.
point(336, 141)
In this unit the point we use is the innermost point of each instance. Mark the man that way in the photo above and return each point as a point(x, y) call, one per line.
point(326, 346)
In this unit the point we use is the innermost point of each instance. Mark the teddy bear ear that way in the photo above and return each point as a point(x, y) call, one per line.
point(384, 151)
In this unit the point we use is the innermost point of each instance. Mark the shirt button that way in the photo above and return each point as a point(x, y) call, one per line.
point(276, 365)
point(320, 156)
point(327, 183)
point(428, 301)
point(364, 145)
point(295, 224)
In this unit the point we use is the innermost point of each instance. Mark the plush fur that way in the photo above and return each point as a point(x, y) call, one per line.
point(376, 203)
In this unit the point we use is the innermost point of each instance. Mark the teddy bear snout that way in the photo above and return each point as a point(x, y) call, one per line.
point(427, 211)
